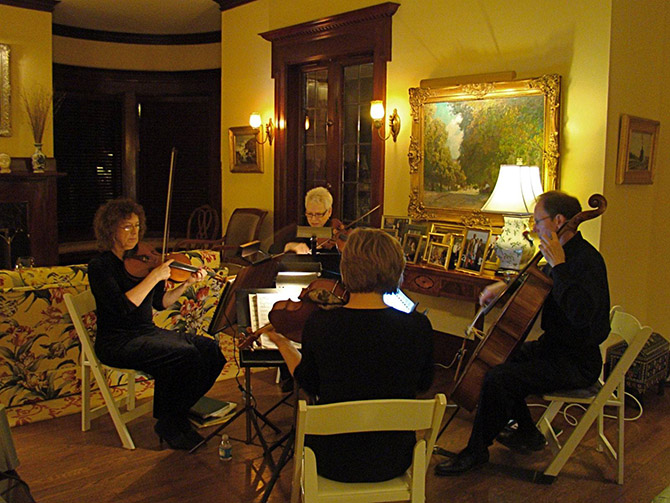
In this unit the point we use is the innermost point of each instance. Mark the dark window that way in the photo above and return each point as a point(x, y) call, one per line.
point(88, 144)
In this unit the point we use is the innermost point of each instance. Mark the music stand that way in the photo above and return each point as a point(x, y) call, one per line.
point(257, 275)
point(248, 360)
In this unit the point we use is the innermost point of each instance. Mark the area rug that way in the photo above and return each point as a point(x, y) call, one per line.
point(40, 411)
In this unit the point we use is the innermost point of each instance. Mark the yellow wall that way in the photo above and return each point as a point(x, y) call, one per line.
point(28, 33)
point(114, 56)
point(442, 38)
point(246, 87)
point(636, 227)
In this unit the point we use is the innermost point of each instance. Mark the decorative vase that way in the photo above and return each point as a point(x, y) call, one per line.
point(5, 163)
point(39, 159)
point(514, 249)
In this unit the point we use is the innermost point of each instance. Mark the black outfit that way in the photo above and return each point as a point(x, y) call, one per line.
point(575, 320)
point(184, 366)
point(364, 354)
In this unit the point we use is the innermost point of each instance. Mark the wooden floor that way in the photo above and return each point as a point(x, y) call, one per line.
point(63, 464)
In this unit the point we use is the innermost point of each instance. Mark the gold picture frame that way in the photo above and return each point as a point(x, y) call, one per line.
point(245, 153)
point(638, 140)
point(411, 247)
point(473, 251)
point(451, 173)
point(5, 92)
point(438, 255)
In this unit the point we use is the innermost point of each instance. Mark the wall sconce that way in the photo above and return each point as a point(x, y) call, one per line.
point(255, 122)
point(377, 113)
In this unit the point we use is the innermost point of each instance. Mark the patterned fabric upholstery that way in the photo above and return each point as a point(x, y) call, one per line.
point(39, 349)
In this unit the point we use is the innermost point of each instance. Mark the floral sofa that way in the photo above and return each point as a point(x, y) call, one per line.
point(39, 348)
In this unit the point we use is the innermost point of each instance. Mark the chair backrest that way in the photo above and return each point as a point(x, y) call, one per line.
point(625, 326)
point(80, 306)
point(372, 415)
point(203, 223)
point(244, 226)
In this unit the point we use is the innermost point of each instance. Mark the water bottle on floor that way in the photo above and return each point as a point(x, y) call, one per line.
point(225, 448)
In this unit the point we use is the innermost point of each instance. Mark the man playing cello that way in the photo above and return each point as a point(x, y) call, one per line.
point(575, 320)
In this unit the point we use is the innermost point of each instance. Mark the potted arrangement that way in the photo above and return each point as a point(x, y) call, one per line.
point(38, 105)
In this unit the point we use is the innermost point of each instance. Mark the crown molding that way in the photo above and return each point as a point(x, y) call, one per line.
point(43, 5)
point(62, 30)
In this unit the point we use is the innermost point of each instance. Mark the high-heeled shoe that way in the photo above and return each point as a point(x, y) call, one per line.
point(174, 437)
point(189, 430)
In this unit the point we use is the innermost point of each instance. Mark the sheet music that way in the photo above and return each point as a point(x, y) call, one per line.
point(260, 305)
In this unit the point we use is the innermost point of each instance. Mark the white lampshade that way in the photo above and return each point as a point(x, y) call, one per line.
point(255, 120)
point(515, 191)
point(377, 110)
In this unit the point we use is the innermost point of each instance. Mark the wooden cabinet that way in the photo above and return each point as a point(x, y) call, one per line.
point(442, 283)
point(38, 192)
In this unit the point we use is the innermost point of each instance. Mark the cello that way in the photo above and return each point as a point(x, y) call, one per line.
point(516, 318)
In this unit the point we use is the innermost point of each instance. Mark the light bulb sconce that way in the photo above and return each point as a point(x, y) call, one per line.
point(377, 113)
point(256, 122)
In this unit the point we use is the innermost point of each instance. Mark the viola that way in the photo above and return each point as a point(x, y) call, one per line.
point(288, 317)
point(142, 259)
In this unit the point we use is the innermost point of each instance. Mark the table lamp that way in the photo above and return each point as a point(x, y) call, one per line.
point(514, 197)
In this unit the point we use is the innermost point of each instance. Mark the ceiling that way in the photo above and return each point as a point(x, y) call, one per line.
point(161, 17)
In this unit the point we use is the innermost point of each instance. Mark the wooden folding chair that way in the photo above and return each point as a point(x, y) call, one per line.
point(81, 307)
point(607, 393)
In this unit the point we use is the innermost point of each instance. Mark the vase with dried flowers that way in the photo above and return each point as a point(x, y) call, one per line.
point(38, 105)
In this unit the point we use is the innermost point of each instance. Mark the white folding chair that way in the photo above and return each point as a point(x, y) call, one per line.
point(80, 307)
point(607, 393)
point(423, 416)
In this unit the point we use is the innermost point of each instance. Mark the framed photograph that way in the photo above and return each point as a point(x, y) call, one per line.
point(444, 228)
point(395, 222)
point(391, 232)
point(5, 98)
point(418, 228)
point(246, 154)
point(438, 255)
point(637, 150)
point(410, 247)
point(456, 247)
point(461, 135)
point(434, 237)
point(471, 258)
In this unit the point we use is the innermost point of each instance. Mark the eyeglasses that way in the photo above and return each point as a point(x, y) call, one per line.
point(537, 221)
point(316, 215)
point(130, 227)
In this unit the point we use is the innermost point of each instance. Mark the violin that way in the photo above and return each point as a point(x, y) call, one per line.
point(142, 259)
point(340, 232)
point(288, 317)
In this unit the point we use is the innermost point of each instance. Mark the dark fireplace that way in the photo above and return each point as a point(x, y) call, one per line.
point(14, 236)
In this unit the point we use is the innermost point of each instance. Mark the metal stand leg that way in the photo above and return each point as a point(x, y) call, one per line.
point(252, 415)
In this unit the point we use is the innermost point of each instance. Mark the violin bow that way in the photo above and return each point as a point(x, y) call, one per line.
point(166, 228)
point(353, 222)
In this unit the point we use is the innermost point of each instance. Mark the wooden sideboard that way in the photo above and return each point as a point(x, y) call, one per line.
point(443, 283)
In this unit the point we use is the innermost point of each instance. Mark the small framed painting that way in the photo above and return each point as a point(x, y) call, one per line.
point(637, 150)
point(246, 156)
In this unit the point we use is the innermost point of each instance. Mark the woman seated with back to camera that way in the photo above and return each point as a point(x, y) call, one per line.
point(363, 351)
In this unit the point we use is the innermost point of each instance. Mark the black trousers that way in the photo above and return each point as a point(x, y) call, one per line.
point(184, 367)
point(531, 370)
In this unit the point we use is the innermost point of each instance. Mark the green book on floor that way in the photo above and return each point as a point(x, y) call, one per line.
point(209, 408)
